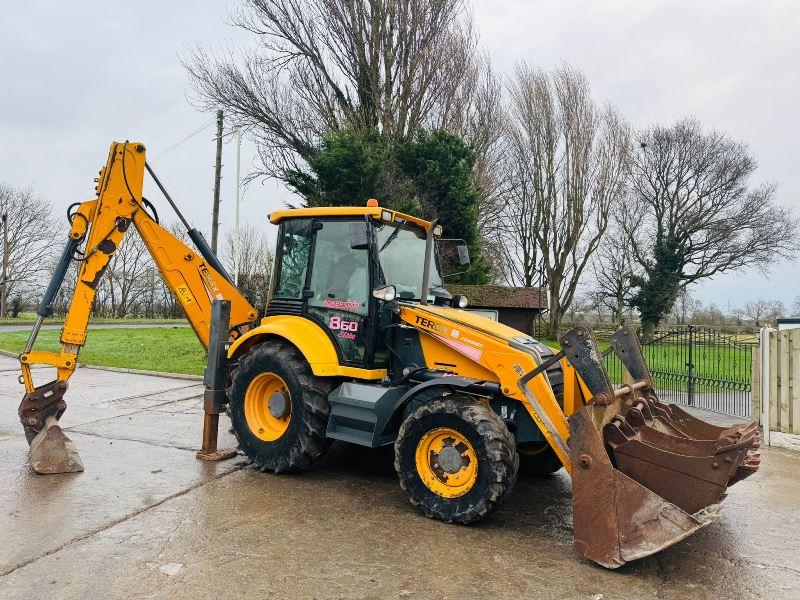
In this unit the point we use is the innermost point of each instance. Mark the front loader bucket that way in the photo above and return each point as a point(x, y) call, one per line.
point(645, 474)
point(616, 519)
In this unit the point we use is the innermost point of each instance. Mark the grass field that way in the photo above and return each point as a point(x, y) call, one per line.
point(177, 350)
point(668, 362)
point(172, 350)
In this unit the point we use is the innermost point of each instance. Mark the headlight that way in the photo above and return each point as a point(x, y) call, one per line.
point(459, 301)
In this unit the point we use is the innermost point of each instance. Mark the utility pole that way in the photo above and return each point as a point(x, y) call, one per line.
point(5, 265)
point(237, 250)
point(217, 180)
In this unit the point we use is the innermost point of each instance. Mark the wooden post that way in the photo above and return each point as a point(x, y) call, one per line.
point(217, 182)
point(784, 398)
point(794, 381)
point(774, 379)
point(764, 348)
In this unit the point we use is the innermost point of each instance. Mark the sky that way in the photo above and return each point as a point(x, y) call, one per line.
point(78, 75)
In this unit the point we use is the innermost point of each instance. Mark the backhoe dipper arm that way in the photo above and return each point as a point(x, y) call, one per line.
point(102, 224)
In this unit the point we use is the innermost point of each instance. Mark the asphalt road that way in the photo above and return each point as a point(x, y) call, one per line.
point(148, 520)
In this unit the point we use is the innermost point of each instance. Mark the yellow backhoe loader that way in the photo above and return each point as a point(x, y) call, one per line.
point(361, 342)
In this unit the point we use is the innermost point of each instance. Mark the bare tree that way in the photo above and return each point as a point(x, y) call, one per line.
point(321, 65)
point(738, 315)
point(763, 311)
point(126, 279)
point(255, 265)
point(694, 215)
point(581, 307)
point(568, 158)
point(612, 269)
point(475, 112)
point(30, 241)
point(685, 306)
point(707, 315)
point(796, 307)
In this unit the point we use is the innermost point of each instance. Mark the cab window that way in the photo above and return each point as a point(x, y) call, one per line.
point(293, 249)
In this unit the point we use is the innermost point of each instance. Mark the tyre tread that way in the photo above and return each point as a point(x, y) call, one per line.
point(312, 443)
point(500, 450)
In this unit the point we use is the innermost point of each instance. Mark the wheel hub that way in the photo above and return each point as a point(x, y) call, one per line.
point(278, 406)
point(450, 459)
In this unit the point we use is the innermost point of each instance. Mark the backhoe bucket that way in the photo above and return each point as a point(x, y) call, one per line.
point(51, 450)
point(645, 474)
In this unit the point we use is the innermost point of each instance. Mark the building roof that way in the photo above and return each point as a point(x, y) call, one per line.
point(501, 296)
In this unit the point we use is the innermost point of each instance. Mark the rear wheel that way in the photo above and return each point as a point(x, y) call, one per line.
point(278, 409)
point(538, 459)
point(456, 459)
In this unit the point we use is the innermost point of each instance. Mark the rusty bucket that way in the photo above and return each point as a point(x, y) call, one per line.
point(645, 474)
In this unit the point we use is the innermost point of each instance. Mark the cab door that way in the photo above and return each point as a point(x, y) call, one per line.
point(338, 291)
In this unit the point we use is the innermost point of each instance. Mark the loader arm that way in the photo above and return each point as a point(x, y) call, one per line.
point(194, 278)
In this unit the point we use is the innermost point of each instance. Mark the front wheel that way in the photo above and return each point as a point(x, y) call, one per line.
point(456, 459)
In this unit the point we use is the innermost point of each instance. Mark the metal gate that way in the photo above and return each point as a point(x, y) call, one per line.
point(699, 366)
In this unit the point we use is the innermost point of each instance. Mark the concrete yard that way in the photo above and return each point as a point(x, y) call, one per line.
point(148, 520)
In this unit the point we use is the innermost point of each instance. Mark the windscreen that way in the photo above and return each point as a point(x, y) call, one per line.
point(401, 252)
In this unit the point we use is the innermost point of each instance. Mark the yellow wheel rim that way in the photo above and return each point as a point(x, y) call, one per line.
point(446, 462)
point(267, 420)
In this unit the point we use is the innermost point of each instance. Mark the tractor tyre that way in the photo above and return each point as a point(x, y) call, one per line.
point(279, 410)
point(538, 459)
point(456, 459)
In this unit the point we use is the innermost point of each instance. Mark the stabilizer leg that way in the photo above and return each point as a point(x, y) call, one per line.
point(214, 398)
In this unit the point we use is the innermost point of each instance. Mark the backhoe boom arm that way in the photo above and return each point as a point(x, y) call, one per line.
point(195, 279)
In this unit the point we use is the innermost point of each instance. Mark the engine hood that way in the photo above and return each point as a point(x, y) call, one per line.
point(486, 325)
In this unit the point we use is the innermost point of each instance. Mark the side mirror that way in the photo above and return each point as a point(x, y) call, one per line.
point(387, 293)
point(453, 256)
point(463, 255)
point(359, 240)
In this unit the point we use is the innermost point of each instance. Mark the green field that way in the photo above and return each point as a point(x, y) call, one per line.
point(177, 350)
point(172, 350)
point(723, 362)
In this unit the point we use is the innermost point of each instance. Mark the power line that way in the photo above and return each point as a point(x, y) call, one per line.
point(185, 139)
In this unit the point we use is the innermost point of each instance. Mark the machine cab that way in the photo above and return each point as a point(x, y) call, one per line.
point(328, 261)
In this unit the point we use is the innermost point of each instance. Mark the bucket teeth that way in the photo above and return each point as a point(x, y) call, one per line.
point(685, 425)
point(691, 473)
point(648, 411)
